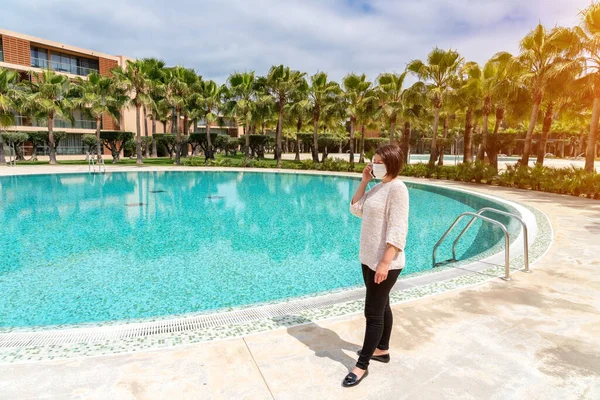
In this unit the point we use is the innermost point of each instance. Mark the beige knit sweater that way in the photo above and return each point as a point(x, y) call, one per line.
point(384, 213)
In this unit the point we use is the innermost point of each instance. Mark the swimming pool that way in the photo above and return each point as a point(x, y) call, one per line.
point(82, 248)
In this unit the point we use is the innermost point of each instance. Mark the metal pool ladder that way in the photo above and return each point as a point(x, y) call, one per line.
point(479, 215)
point(92, 164)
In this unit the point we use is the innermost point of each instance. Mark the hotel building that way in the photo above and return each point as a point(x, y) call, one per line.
point(26, 54)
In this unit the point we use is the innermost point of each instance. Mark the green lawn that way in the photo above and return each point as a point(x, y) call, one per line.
point(197, 161)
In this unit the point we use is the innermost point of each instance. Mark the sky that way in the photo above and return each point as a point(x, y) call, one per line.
point(219, 37)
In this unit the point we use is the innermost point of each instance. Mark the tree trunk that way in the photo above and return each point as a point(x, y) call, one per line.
point(2, 156)
point(445, 133)
point(315, 149)
point(406, 142)
point(561, 147)
point(493, 150)
point(138, 146)
point(580, 144)
point(298, 129)
point(51, 139)
point(278, 135)
point(527, 145)
point(154, 151)
point(591, 145)
point(185, 132)
point(487, 109)
point(392, 128)
point(287, 145)
point(209, 149)
point(351, 156)
point(177, 141)
point(247, 136)
point(541, 154)
point(361, 159)
point(468, 139)
point(436, 121)
point(33, 152)
point(146, 132)
point(98, 143)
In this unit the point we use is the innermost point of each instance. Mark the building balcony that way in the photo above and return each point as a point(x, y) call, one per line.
point(21, 120)
point(62, 67)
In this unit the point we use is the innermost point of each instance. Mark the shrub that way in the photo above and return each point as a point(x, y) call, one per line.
point(90, 142)
point(307, 164)
point(327, 143)
point(115, 141)
point(168, 141)
point(335, 165)
point(371, 144)
point(16, 139)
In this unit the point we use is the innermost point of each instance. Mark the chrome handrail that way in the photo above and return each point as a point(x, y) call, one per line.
point(491, 221)
point(92, 163)
point(494, 210)
point(90, 160)
point(101, 163)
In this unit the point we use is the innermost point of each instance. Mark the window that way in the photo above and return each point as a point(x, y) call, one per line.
point(39, 57)
point(62, 62)
point(1, 50)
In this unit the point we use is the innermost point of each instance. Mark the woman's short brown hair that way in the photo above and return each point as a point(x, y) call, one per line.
point(391, 155)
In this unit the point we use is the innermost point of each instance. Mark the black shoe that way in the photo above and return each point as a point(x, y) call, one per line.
point(384, 358)
point(350, 379)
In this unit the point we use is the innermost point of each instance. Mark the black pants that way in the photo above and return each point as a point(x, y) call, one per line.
point(378, 314)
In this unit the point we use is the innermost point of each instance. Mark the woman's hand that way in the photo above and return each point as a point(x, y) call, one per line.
point(366, 174)
point(382, 272)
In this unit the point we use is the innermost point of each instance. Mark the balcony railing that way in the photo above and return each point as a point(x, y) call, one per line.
point(61, 67)
point(21, 120)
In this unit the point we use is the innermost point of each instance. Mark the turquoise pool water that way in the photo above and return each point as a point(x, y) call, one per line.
point(82, 248)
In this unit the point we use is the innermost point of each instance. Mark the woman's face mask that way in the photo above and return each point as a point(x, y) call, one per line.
point(379, 170)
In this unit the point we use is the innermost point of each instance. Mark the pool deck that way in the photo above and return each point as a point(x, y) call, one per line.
point(536, 337)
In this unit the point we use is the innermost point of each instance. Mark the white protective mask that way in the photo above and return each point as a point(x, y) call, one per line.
point(379, 171)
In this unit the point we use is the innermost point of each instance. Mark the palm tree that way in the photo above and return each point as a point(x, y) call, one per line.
point(369, 116)
point(162, 110)
point(390, 94)
point(469, 94)
point(561, 92)
point(299, 113)
point(357, 94)
point(281, 84)
point(414, 102)
point(182, 82)
point(541, 59)
point(133, 80)
point(99, 95)
point(584, 40)
point(47, 98)
point(321, 94)
point(439, 73)
point(8, 93)
point(155, 74)
point(211, 97)
point(240, 102)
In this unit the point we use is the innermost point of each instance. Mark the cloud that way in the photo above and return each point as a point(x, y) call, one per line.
point(335, 36)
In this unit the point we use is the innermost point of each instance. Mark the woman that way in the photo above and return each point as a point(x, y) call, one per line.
point(384, 213)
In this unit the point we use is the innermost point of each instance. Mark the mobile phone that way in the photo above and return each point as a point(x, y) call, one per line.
point(372, 174)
